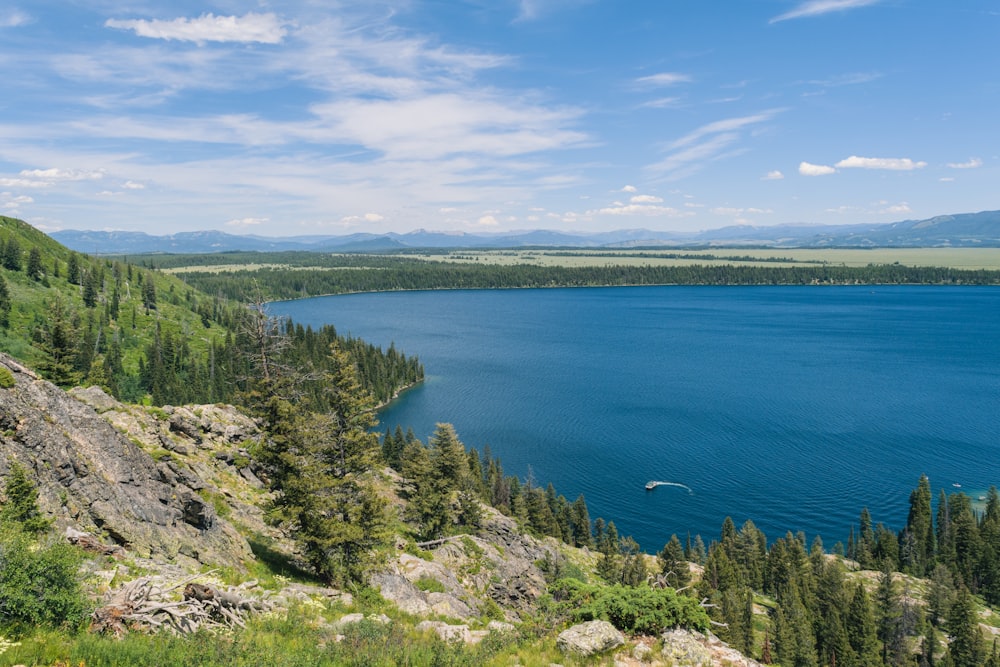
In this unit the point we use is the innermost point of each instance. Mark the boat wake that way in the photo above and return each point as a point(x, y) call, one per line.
point(653, 484)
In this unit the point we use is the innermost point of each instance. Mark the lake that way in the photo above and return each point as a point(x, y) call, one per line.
point(791, 406)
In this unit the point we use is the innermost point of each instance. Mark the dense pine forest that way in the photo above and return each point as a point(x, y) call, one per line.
point(398, 273)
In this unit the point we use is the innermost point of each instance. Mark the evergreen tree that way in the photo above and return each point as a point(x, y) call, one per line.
point(56, 338)
point(940, 594)
point(322, 470)
point(966, 646)
point(890, 627)
point(989, 561)
point(148, 293)
point(580, 520)
point(832, 642)
point(73, 269)
point(34, 267)
point(633, 563)
point(5, 304)
point(920, 528)
point(673, 564)
point(90, 288)
point(12, 255)
point(862, 631)
point(20, 502)
point(609, 565)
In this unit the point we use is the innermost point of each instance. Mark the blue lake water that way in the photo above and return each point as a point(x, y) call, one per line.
point(791, 406)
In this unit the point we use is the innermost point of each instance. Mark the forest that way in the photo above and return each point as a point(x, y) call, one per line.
point(401, 274)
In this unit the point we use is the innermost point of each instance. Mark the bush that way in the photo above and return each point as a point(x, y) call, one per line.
point(38, 582)
point(6, 379)
point(635, 610)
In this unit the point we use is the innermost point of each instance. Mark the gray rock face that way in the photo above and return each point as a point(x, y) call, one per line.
point(92, 477)
point(589, 638)
point(687, 647)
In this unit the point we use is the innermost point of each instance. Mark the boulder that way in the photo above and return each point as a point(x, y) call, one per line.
point(589, 638)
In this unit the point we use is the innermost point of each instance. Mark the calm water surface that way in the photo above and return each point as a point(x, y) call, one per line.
point(791, 406)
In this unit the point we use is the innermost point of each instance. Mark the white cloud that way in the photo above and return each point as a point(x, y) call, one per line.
point(246, 222)
point(14, 203)
point(820, 7)
point(891, 164)
point(488, 221)
point(773, 176)
point(14, 18)
point(646, 199)
point(132, 185)
point(947, 179)
point(63, 174)
point(262, 28)
point(23, 183)
point(807, 169)
point(663, 79)
point(973, 163)
point(630, 188)
point(373, 217)
point(901, 207)
point(641, 209)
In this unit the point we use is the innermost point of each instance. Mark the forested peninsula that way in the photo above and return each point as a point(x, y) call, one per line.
point(187, 480)
point(341, 274)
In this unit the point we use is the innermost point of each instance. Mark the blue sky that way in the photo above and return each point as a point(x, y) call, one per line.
point(323, 117)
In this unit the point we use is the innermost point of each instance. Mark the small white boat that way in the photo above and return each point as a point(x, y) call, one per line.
point(650, 486)
point(957, 485)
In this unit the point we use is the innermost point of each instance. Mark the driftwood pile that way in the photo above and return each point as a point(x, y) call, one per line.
point(146, 604)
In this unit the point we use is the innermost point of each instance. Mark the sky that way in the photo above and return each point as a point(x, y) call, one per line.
point(326, 117)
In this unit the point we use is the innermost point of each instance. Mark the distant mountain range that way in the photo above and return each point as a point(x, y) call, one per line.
point(964, 230)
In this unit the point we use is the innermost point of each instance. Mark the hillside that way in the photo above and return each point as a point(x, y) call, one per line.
point(964, 230)
point(140, 333)
point(165, 499)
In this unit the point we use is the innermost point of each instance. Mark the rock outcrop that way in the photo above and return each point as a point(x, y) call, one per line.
point(589, 638)
point(93, 478)
point(498, 564)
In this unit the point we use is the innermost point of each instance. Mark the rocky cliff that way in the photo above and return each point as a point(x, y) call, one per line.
point(93, 477)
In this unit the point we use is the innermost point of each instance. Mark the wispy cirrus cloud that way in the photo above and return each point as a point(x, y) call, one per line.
point(889, 164)
point(820, 7)
point(709, 142)
point(260, 28)
point(663, 79)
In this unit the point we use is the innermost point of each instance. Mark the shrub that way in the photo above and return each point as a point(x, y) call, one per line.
point(38, 582)
point(429, 585)
point(636, 610)
point(6, 379)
